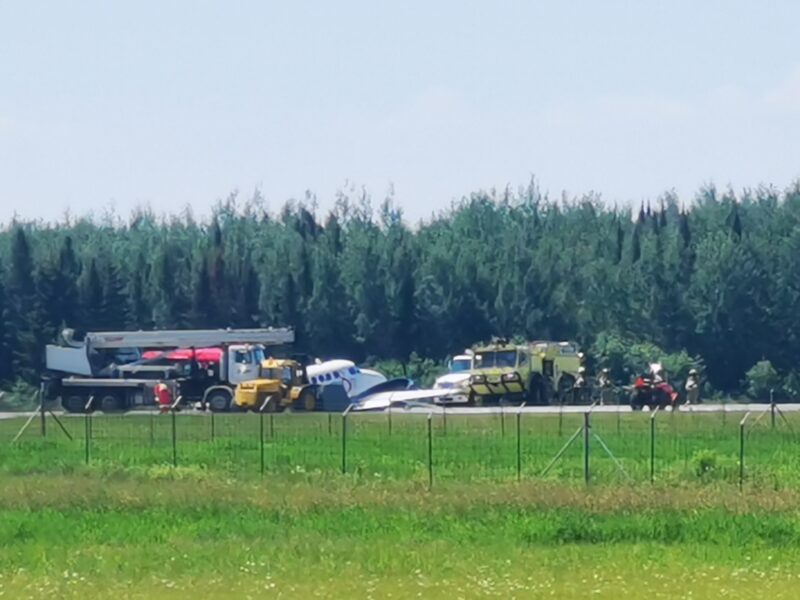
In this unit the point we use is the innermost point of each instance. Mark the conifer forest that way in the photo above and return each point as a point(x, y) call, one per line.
point(711, 281)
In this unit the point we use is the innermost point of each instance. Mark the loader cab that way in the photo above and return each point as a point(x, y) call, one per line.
point(288, 372)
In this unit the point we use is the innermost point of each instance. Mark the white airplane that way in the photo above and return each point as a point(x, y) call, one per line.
point(367, 389)
point(353, 379)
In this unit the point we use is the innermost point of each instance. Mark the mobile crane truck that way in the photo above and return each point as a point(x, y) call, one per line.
point(106, 370)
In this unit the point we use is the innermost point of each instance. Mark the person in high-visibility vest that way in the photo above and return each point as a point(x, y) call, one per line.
point(163, 396)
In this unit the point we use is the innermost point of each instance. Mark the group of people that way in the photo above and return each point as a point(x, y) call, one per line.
point(582, 388)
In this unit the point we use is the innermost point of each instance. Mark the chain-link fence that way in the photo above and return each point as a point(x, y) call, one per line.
point(431, 446)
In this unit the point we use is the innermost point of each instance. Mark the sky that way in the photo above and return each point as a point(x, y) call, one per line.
point(169, 104)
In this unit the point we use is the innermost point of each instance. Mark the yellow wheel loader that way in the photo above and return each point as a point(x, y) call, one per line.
point(282, 383)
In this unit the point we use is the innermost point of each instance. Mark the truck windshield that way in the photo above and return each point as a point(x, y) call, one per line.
point(501, 358)
point(459, 365)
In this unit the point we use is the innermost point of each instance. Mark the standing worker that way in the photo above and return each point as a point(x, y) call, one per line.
point(163, 396)
point(692, 388)
point(606, 387)
point(657, 373)
point(580, 387)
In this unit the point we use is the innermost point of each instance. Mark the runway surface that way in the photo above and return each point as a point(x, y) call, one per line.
point(488, 410)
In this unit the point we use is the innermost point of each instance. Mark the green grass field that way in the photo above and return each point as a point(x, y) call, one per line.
point(688, 447)
point(129, 524)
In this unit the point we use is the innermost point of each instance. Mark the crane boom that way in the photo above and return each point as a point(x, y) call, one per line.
point(190, 338)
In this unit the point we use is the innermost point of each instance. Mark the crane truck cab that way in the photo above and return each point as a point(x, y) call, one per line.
point(455, 383)
point(538, 372)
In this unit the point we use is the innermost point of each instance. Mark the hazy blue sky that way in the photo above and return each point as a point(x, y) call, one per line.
point(175, 103)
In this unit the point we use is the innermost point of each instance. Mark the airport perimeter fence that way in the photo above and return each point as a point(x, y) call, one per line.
point(759, 447)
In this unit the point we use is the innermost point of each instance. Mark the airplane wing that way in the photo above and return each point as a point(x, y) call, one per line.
point(383, 400)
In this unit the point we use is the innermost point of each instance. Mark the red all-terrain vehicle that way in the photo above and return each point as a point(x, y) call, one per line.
point(648, 392)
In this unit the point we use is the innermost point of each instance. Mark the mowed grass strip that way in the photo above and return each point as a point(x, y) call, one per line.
point(689, 447)
point(175, 533)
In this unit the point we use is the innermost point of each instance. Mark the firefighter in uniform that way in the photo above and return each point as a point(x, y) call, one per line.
point(692, 387)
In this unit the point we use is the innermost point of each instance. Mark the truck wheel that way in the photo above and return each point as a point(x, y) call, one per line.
point(219, 401)
point(307, 400)
point(536, 393)
point(565, 386)
point(273, 404)
point(75, 404)
point(110, 403)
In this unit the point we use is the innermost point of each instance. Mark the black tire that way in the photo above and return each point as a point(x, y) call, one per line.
point(566, 385)
point(75, 403)
point(535, 394)
point(637, 401)
point(109, 402)
point(219, 401)
point(274, 403)
point(307, 400)
point(660, 400)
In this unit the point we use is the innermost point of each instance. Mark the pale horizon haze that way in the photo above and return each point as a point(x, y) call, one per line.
point(168, 104)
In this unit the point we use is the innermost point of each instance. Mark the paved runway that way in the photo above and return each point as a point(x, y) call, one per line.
point(541, 410)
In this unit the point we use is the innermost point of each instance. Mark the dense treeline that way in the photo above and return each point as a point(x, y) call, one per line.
point(719, 277)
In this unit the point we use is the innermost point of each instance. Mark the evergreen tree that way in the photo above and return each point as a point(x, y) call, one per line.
point(6, 347)
point(25, 323)
point(92, 301)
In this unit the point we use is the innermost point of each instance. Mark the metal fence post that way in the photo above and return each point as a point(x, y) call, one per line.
point(87, 424)
point(430, 451)
point(271, 426)
point(213, 426)
point(86, 437)
point(41, 411)
point(344, 439)
point(519, 443)
point(653, 445)
point(330, 424)
point(741, 450)
point(502, 420)
point(175, 431)
point(261, 440)
point(772, 407)
point(444, 420)
point(560, 417)
point(389, 418)
point(586, 431)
